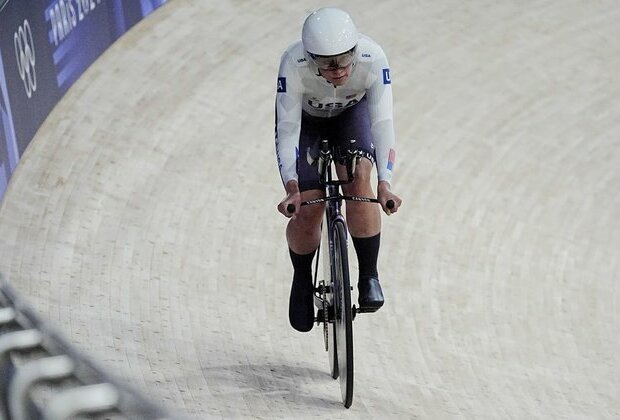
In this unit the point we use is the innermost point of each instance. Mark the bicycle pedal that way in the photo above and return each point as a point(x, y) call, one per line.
point(364, 310)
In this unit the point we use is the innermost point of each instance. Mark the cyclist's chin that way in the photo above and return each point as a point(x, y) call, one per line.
point(336, 77)
point(339, 81)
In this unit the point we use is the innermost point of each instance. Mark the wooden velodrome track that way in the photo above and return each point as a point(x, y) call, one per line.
point(141, 221)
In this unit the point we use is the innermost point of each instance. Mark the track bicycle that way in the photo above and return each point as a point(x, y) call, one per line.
point(332, 293)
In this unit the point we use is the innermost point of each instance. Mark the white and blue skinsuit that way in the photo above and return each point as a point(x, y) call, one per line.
point(306, 101)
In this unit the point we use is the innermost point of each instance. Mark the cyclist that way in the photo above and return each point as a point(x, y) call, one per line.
point(335, 83)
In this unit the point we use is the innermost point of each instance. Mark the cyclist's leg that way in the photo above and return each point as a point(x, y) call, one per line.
point(303, 234)
point(364, 223)
point(364, 220)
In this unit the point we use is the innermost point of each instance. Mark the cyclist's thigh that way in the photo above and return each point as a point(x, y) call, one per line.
point(363, 170)
point(309, 138)
point(354, 123)
point(361, 184)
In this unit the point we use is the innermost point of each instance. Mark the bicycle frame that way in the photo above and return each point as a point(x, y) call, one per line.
point(333, 200)
point(333, 296)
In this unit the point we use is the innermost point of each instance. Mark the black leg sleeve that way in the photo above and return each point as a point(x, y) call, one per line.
point(367, 250)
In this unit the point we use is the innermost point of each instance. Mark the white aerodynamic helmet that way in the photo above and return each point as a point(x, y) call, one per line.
point(329, 32)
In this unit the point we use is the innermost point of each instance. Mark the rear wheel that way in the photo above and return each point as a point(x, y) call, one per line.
point(332, 351)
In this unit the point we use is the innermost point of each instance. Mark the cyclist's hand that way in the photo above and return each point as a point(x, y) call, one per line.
point(292, 200)
point(390, 202)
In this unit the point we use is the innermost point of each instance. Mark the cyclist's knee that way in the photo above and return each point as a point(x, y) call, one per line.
point(309, 217)
point(361, 183)
point(304, 230)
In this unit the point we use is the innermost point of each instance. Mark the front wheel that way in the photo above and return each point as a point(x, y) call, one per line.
point(343, 316)
point(329, 330)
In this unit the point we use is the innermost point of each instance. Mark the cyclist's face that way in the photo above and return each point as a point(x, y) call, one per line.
point(336, 77)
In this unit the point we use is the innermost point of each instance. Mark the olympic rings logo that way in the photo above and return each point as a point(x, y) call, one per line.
point(25, 55)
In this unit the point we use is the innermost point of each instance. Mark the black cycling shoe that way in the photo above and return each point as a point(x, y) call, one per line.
point(301, 306)
point(370, 294)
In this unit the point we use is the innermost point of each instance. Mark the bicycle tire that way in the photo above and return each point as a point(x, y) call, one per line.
point(343, 316)
point(332, 350)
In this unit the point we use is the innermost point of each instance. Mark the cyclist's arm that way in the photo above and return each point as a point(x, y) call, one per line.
point(288, 118)
point(379, 92)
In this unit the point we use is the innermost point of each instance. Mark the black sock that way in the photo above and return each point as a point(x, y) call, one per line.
point(301, 302)
point(302, 265)
point(367, 250)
